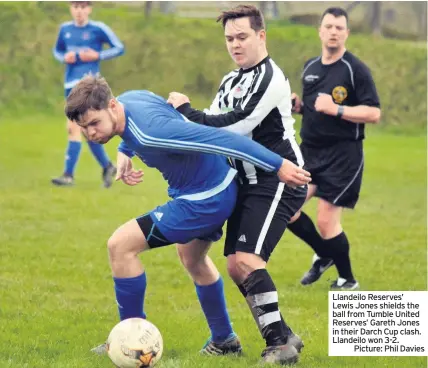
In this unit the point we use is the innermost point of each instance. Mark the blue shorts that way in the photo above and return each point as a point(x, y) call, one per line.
point(182, 220)
point(67, 92)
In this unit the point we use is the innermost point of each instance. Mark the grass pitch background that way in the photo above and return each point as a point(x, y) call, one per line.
point(56, 293)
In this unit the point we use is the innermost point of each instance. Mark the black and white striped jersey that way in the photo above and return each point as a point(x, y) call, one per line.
point(254, 102)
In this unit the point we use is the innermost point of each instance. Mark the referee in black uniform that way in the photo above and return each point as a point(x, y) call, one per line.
point(255, 100)
point(339, 98)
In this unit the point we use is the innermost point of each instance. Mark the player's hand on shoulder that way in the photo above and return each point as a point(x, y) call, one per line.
point(70, 57)
point(89, 55)
point(293, 175)
point(126, 172)
point(296, 103)
point(177, 99)
point(325, 104)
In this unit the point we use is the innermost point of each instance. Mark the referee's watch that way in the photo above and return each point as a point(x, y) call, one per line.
point(340, 111)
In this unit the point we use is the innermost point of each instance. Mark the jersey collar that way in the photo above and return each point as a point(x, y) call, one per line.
point(265, 60)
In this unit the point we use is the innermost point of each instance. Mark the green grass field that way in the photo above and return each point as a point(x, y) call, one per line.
point(56, 293)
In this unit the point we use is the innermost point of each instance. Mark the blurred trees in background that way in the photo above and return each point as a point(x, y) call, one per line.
point(393, 19)
point(172, 52)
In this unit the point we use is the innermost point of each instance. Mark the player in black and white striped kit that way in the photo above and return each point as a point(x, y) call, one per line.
point(255, 100)
point(339, 98)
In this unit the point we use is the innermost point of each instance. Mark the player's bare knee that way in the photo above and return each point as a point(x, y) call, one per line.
point(247, 263)
point(73, 136)
point(73, 131)
point(328, 227)
point(121, 246)
point(115, 247)
point(232, 270)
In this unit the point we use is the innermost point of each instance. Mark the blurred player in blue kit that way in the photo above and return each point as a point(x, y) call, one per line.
point(201, 184)
point(79, 46)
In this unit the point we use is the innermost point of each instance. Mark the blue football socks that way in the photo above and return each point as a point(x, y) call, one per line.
point(130, 296)
point(213, 304)
point(71, 157)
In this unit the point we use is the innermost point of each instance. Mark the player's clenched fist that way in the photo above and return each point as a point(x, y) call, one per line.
point(177, 99)
point(70, 57)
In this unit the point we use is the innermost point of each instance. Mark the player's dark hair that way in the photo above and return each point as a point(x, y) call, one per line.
point(336, 12)
point(257, 21)
point(91, 93)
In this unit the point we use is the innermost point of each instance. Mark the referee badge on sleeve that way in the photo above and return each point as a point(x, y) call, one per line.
point(339, 94)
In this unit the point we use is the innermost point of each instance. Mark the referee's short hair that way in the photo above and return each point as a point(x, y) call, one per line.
point(91, 93)
point(336, 12)
point(257, 21)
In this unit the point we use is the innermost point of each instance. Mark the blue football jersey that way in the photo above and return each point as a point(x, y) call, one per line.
point(191, 157)
point(93, 35)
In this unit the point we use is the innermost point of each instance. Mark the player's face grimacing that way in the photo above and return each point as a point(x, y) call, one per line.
point(333, 32)
point(243, 43)
point(99, 126)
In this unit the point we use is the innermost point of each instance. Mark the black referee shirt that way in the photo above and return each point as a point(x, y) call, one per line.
point(350, 83)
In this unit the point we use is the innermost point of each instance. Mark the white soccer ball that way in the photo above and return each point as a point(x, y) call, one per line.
point(134, 343)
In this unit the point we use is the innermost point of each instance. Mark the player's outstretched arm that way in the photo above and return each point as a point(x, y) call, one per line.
point(175, 134)
point(246, 116)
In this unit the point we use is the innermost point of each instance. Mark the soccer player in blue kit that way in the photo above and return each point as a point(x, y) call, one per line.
point(80, 46)
point(201, 184)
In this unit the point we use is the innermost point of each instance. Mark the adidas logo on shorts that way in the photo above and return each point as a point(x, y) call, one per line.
point(242, 238)
point(158, 215)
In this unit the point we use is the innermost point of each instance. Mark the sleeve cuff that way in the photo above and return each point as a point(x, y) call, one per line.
point(126, 152)
point(278, 163)
point(184, 108)
point(371, 104)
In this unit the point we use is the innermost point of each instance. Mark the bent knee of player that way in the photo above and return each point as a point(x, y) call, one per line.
point(247, 263)
point(126, 242)
point(116, 247)
point(73, 131)
point(232, 269)
point(328, 226)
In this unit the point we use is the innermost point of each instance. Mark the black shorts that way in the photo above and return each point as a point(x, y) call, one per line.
point(261, 216)
point(153, 235)
point(337, 171)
